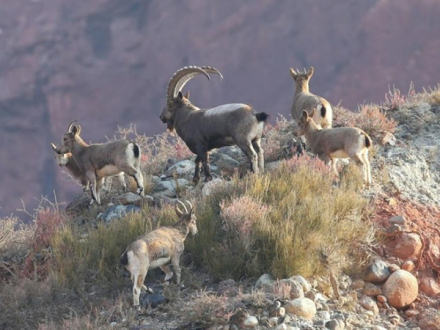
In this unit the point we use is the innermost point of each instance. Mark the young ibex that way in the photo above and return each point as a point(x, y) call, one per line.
point(98, 161)
point(158, 248)
point(341, 142)
point(204, 130)
point(67, 161)
point(304, 100)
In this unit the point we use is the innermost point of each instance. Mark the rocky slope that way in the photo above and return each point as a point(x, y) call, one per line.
point(107, 63)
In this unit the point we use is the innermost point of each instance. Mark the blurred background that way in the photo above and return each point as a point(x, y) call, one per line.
point(107, 63)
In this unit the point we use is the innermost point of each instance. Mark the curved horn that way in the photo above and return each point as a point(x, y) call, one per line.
point(69, 128)
point(210, 69)
point(181, 77)
point(190, 205)
point(186, 210)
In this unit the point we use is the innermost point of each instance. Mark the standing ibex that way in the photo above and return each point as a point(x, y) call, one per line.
point(67, 161)
point(158, 248)
point(203, 130)
point(333, 143)
point(98, 161)
point(304, 100)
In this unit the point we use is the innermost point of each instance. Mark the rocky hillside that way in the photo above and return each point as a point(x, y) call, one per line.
point(107, 63)
point(340, 257)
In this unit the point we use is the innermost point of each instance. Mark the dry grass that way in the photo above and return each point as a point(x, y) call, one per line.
point(283, 222)
point(370, 119)
point(279, 140)
point(158, 150)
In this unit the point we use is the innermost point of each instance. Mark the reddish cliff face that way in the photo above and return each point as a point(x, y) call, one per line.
point(107, 63)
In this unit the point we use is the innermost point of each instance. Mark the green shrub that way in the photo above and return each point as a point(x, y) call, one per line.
point(283, 222)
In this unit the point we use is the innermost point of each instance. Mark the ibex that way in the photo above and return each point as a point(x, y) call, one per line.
point(304, 100)
point(98, 161)
point(204, 130)
point(67, 161)
point(158, 248)
point(341, 142)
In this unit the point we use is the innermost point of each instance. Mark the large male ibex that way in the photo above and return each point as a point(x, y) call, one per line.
point(204, 130)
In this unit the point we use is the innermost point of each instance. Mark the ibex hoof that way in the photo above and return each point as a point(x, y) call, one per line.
point(208, 178)
point(196, 180)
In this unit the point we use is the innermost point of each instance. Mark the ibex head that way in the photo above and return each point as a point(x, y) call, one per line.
point(69, 137)
point(303, 76)
point(62, 159)
point(187, 216)
point(175, 98)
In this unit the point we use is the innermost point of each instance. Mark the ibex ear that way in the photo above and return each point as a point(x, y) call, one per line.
point(310, 72)
point(187, 95)
point(54, 147)
point(305, 114)
point(293, 73)
point(179, 96)
point(76, 129)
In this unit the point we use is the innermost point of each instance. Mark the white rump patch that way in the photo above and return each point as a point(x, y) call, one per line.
point(224, 109)
point(129, 153)
point(339, 154)
point(159, 262)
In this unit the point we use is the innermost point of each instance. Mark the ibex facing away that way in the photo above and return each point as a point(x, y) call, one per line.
point(98, 161)
point(204, 130)
point(158, 248)
point(341, 142)
point(306, 101)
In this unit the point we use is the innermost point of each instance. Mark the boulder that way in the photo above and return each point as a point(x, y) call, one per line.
point(211, 186)
point(181, 169)
point(400, 289)
point(377, 272)
point(301, 280)
point(408, 246)
point(303, 307)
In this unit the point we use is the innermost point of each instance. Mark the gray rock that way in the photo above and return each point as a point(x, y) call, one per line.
point(226, 163)
point(301, 280)
point(169, 188)
point(232, 151)
point(211, 186)
point(377, 272)
point(398, 219)
point(117, 212)
point(127, 198)
point(265, 281)
point(181, 169)
point(250, 322)
point(369, 304)
point(335, 325)
point(153, 300)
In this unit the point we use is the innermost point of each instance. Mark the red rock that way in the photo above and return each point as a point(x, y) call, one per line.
point(408, 266)
point(408, 246)
point(430, 286)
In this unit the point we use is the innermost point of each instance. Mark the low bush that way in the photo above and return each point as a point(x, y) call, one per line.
point(370, 119)
point(285, 222)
